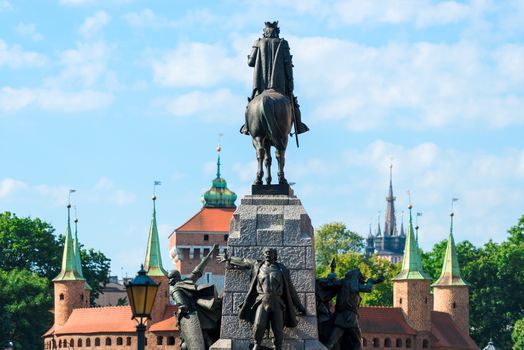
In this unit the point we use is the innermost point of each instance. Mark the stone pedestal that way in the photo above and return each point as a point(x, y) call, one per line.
point(280, 222)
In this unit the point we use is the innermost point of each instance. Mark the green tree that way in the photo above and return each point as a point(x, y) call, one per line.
point(95, 266)
point(30, 244)
point(335, 239)
point(518, 335)
point(25, 304)
point(372, 267)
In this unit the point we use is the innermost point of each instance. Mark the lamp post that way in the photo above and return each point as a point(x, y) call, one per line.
point(141, 292)
point(8, 345)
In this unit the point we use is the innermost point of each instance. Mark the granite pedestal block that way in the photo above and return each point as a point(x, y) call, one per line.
point(280, 222)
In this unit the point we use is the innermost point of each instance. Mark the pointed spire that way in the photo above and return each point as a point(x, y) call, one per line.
point(153, 261)
point(69, 271)
point(411, 262)
point(390, 226)
point(451, 275)
point(379, 233)
point(402, 232)
point(76, 247)
point(219, 196)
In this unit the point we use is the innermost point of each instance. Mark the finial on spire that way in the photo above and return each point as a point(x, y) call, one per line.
point(390, 168)
point(409, 200)
point(76, 215)
point(155, 184)
point(219, 149)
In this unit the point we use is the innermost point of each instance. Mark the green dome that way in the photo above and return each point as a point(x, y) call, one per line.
point(219, 196)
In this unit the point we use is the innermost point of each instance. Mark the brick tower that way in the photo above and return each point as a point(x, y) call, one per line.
point(411, 288)
point(155, 270)
point(451, 292)
point(70, 285)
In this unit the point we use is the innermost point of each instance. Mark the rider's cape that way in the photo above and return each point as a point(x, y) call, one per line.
point(203, 299)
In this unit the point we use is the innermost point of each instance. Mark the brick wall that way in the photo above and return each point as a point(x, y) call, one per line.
point(125, 341)
point(453, 300)
point(415, 300)
point(69, 295)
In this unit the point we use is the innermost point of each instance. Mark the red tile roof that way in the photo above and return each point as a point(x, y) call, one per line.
point(111, 319)
point(208, 220)
point(169, 321)
point(447, 333)
point(391, 320)
point(379, 319)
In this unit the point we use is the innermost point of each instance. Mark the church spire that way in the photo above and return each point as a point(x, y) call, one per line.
point(69, 270)
point(390, 226)
point(402, 232)
point(450, 275)
point(378, 233)
point(411, 262)
point(219, 196)
point(153, 261)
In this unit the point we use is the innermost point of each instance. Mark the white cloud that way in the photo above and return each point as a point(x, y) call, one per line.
point(8, 186)
point(15, 57)
point(419, 85)
point(199, 65)
point(94, 24)
point(5, 5)
point(12, 99)
point(28, 30)
point(219, 105)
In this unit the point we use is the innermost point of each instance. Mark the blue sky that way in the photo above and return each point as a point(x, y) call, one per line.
point(107, 96)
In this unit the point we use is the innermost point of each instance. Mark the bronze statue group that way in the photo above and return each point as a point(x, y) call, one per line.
point(271, 303)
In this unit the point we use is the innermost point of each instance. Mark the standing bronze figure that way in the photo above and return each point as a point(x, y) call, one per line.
point(272, 107)
point(199, 308)
point(345, 327)
point(271, 299)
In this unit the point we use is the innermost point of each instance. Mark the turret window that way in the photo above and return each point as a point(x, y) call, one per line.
point(119, 341)
point(80, 343)
point(71, 343)
point(159, 340)
point(400, 301)
point(408, 343)
point(97, 341)
point(88, 342)
point(61, 296)
point(387, 343)
point(425, 344)
point(454, 305)
point(171, 341)
point(108, 341)
point(376, 342)
point(128, 341)
point(398, 343)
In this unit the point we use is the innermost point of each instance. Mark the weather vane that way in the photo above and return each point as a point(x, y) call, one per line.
point(155, 184)
point(69, 196)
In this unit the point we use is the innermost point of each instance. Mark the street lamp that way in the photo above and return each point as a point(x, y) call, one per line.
point(8, 345)
point(141, 292)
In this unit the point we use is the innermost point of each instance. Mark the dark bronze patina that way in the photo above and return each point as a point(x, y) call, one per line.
point(272, 107)
point(199, 308)
point(341, 327)
point(271, 299)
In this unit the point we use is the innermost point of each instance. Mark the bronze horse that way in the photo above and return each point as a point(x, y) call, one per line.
point(269, 119)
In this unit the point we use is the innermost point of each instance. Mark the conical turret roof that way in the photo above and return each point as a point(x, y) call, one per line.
point(450, 275)
point(69, 270)
point(153, 261)
point(411, 262)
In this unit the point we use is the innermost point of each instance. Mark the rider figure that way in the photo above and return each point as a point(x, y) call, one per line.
point(273, 70)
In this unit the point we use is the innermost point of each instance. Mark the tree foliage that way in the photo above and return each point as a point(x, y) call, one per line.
point(335, 239)
point(518, 335)
point(25, 301)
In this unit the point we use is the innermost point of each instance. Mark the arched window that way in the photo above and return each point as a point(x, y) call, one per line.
point(387, 343)
point(399, 343)
point(454, 305)
point(97, 341)
point(128, 341)
point(88, 342)
point(145, 340)
point(408, 343)
point(108, 341)
point(159, 340)
point(364, 342)
point(60, 344)
point(71, 343)
point(376, 343)
point(119, 341)
point(80, 343)
point(425, 344)
point(400, 301)
point(61, 296)
point(171, 341)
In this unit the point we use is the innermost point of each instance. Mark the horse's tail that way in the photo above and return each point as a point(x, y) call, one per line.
point(269, 112)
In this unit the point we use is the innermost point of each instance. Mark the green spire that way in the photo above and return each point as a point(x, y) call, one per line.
point(219, 196)
point(153, 262)
point(450, 275)
point(69, 271)
point(411, 262)
point(76, 247)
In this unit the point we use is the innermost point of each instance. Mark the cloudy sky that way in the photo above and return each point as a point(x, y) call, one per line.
point(108, 96)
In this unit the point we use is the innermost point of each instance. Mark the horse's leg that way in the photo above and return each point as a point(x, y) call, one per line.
point(267, 148)
point(257, 143)
point(281, 158)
